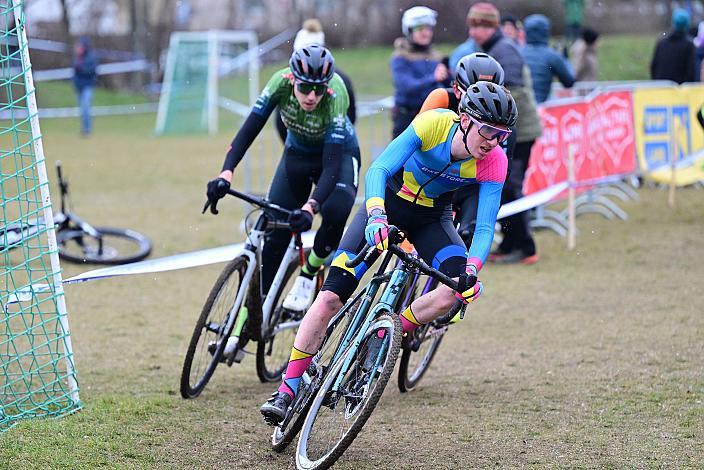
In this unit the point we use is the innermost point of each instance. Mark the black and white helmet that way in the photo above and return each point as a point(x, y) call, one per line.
point(489, 102)
point(417, 16)
point(312, 64)
point(478, 66)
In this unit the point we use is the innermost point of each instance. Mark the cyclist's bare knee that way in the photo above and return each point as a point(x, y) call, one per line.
point(327, 303)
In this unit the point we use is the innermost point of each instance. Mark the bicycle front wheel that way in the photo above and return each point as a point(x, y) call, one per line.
point(210, 334)
point(114, 246)
point(290, 427)
point(349, 394)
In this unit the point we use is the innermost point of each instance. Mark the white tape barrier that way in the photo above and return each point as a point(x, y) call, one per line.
point(66, 73)
point(530, 202)
point(48, 113)
point(225, 253)
point(169, 263)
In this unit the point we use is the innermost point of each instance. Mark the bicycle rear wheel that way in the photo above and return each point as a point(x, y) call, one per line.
point(115, 246)
point(336, 416)
point(289, 428)
point(210, 335)
point(416, 359)
point(420, 348)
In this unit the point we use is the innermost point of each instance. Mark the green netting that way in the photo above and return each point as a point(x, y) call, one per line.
point(187, 110)
point(36, 364)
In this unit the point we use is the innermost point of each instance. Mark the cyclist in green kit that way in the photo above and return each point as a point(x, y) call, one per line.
point(321, 149)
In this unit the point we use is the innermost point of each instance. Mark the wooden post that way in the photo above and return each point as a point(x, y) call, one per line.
point(571, 212)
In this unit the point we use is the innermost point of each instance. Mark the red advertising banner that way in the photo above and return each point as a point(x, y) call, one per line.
point(599, 132)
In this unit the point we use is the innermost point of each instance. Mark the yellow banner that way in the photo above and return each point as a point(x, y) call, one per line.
point(666, 126)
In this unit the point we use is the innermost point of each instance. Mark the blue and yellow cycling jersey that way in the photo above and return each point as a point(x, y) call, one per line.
point(417, 166)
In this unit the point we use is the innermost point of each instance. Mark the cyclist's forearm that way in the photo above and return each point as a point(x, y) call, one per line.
point(243, 140)
point(487, 209)
point(332, 163)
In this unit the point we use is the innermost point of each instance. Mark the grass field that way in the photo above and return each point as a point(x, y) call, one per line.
point(590, 358)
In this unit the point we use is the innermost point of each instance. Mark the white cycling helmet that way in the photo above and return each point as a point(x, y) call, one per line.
point(417, 16)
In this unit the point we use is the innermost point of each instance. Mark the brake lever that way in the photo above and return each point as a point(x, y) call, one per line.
point(213, 207)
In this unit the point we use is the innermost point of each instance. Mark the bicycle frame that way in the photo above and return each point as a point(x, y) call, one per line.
point(365, 318)
point(252, 250)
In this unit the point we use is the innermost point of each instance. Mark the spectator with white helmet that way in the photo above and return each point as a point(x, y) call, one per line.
point(416, 67)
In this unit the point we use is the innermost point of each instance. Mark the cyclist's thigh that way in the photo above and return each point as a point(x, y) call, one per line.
point(439, 244)
point(291, 185)
point(343, 280)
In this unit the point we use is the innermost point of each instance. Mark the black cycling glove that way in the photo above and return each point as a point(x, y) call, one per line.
point(217, 189)
point(300, 220)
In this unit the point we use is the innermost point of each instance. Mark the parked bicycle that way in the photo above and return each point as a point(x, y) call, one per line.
point(77, 240)
point(346, 378)
point(236, 313)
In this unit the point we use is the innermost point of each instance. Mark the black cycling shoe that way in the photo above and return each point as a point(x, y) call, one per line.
point(275, 408)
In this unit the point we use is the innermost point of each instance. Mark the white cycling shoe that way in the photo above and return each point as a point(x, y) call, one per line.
point(300, 297)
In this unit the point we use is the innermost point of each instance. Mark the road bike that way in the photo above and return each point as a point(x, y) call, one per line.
point(346, 378)
point(77, 240)
point(236, 312)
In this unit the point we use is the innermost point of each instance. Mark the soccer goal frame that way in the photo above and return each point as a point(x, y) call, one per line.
point(216, 67)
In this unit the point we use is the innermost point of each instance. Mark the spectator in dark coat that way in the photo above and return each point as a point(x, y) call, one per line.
point(674, 57)
point(416, 67)
point(518, 245)
point(543, 61)
point(85, 77)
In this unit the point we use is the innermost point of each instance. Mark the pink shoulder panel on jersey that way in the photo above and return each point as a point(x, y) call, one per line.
point(493, 168)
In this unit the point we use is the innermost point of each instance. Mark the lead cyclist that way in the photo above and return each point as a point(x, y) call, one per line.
point(321, 148)
point(410, 185)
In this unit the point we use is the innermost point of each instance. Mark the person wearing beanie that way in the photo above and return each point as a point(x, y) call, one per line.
point(674, 57)
point(513, 29)
point(312, 33)
point(484, 23)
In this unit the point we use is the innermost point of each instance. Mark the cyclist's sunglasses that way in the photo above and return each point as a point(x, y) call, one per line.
point(306, 88)
point(489, 132)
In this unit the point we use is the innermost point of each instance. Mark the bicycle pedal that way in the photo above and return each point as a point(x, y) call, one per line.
point(236, 357)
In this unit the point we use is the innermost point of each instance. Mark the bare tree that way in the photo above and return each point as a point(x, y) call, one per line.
point(65, 21)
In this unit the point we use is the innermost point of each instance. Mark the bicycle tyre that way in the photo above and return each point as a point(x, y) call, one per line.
point(281, 438)
point(265, 345)
point(363, 409)
point(408, 375)
point(120, 246)
point(220, 298)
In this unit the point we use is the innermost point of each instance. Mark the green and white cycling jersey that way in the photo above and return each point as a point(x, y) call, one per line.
point(308, 130)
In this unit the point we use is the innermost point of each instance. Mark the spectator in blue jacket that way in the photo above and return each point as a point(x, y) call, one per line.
point(85, 77)
point(543, 61)
point(416, 67)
